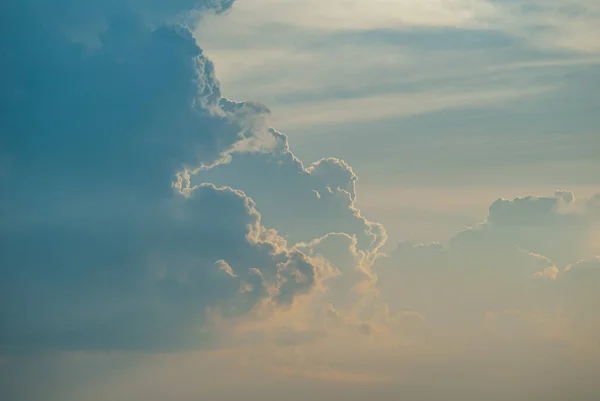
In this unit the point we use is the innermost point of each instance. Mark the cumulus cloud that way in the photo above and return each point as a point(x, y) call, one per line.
point(554, 226)
point(518, 259)
point(303, 203)
point(142, 280)
point(105, 242)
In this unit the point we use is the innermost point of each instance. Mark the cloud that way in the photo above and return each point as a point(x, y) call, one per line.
point(577, 293)
point(142, 210)
point(152, 203)
point(63, 15)
point(398, 64)
point(556, 227)
point(102, 117)
point(337, 15)
point(144, 280)
point(302, 203)
point(105, 243)
point(514, 260)
point(548, 25)
point(396, 105)
point(570, 26)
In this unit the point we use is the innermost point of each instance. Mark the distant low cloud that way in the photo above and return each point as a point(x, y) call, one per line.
point(520, 258)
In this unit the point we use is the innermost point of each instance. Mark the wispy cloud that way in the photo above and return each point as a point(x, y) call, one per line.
point(356, 55)
point(572, 25)
point(395, 105)
point(568, 25)
point(356, 14)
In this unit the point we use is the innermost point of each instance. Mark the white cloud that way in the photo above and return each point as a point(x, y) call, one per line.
point(395, 105)
point(347, 56)
point(571, 25)
point(357, 14)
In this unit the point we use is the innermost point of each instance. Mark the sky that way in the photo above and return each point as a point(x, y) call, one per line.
point(209, 200)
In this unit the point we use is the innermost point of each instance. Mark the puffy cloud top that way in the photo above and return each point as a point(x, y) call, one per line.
point(97, 249)
point(321, 196)
point(113, 234)
point(519, 259)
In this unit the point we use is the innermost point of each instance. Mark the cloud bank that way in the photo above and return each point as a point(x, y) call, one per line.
point(110, 245)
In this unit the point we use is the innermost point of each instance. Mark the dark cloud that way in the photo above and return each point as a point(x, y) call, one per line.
point(141, 278)
point(135, 111)
point(107, 240)
point(97, 249)
point(64, 16)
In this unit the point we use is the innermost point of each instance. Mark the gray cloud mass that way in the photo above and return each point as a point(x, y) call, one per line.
point(98, 251)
